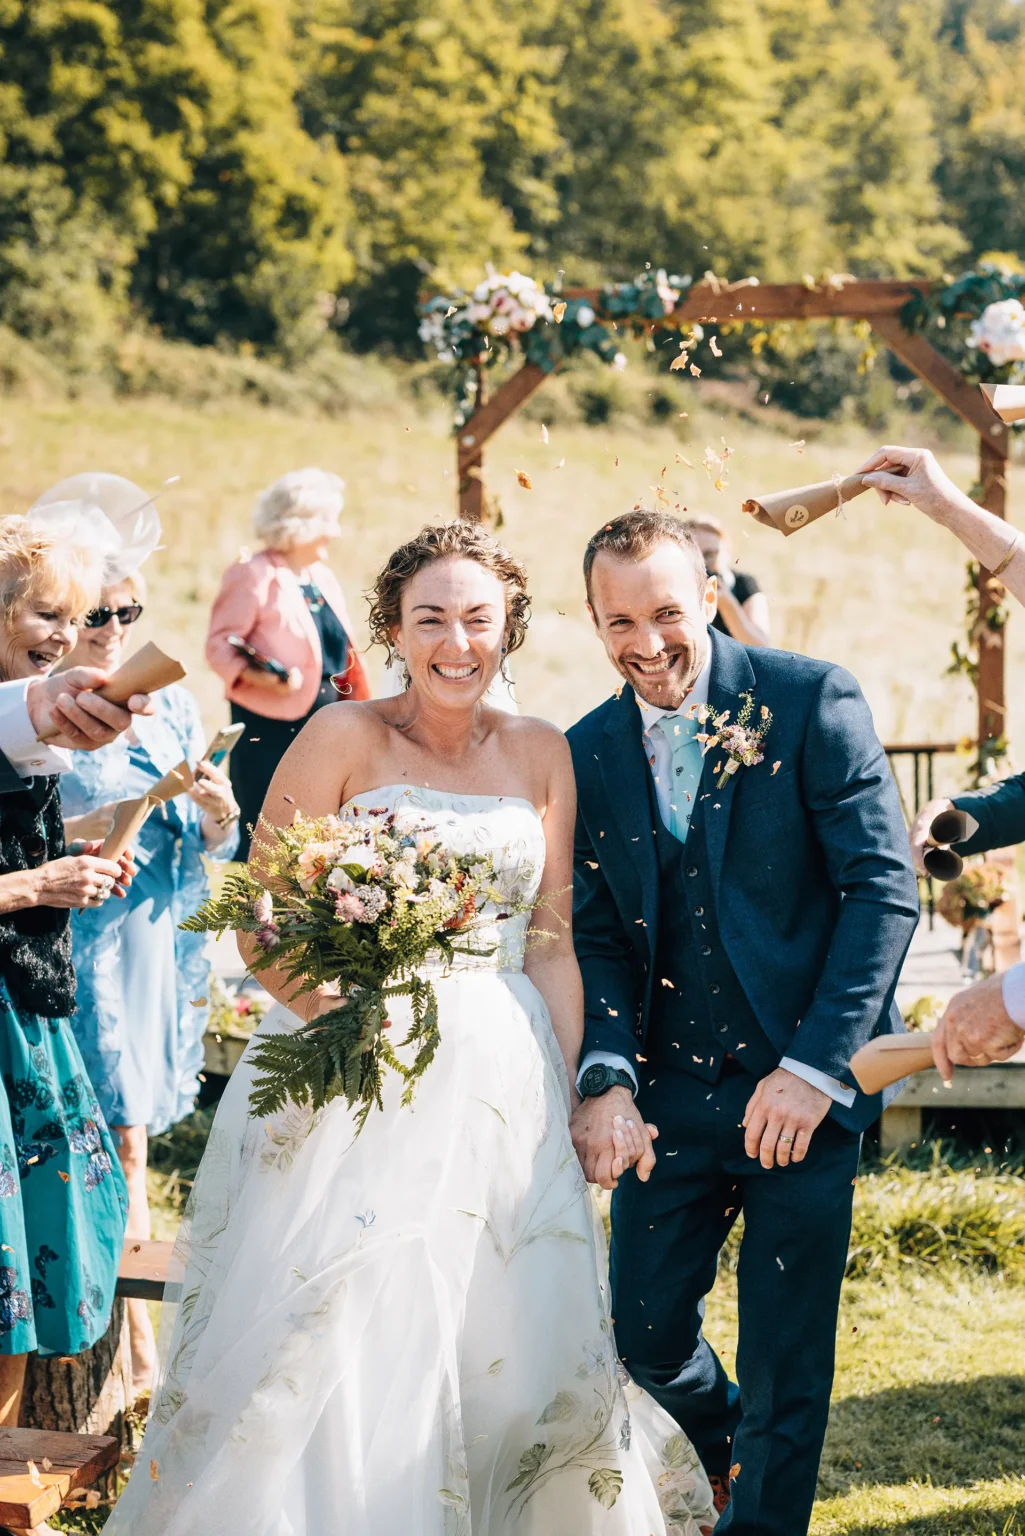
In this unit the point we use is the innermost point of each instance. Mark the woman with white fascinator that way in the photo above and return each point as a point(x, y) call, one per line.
point(140, 979)
point(280, 631)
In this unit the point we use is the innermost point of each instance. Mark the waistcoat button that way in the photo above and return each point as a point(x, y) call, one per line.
point(715, 989)
point(706, 949)
point(692, 870)
point(699, 911)
point(722, 1029)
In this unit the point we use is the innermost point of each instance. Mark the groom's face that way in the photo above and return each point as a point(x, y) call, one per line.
point(653, 620)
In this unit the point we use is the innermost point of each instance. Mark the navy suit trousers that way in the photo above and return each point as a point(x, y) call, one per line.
point(666, 1237)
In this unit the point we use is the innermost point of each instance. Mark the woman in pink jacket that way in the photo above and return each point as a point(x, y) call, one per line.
point(279, 631)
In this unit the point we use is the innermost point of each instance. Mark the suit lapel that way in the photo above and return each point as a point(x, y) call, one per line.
point(730, 676)
point(624, 771)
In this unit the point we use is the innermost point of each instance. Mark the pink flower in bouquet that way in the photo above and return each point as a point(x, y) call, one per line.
point(263, 909)
point(349, 908)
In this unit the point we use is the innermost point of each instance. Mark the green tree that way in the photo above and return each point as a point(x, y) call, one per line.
point(170, 125)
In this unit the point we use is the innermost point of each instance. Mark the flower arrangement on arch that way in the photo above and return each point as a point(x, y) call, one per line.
point(999, 332)
point(362, 903)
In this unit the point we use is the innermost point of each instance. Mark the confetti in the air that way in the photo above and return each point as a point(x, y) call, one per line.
point(713, 347)
point(558, 310)
point(522, 478)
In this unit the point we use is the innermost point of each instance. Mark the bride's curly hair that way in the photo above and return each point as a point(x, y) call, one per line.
point(461, 541)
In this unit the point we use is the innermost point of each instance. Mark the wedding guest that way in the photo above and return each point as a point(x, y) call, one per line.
point(142, 982)
point(287, 606)
point(63, 1200)
point(912, 477)
point(986, 1022)
point(743, 608)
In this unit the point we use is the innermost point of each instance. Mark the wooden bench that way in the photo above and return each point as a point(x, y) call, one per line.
point(145, 1272)
point(996, 1087)
point(39, 1468)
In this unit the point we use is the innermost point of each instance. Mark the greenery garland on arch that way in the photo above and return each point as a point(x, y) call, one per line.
point(512, 312)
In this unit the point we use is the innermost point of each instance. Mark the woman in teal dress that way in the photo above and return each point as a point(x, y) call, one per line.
point(142, 983)
point(63, 1198)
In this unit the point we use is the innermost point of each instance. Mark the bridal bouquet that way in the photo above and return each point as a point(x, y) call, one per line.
point(362, 904)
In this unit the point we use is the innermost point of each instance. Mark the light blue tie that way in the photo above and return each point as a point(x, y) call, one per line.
point(682, 734)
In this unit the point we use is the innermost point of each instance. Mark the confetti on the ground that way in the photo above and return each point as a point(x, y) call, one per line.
point(522, 478)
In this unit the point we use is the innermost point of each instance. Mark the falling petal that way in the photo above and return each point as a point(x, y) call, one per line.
point(713, 347)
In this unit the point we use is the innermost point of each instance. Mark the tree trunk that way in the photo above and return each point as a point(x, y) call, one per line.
point(83, 1394)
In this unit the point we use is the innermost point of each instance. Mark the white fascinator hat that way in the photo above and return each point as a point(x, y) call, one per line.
point(105, 511)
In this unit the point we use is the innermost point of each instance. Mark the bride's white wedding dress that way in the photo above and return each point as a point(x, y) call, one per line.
point(407, 1333)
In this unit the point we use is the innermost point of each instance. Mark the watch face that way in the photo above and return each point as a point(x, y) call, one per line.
point(594, 1081)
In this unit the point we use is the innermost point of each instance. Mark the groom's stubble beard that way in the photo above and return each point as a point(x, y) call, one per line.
point(671, 692)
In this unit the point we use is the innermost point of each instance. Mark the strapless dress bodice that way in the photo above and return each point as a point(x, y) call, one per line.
point(505, 828)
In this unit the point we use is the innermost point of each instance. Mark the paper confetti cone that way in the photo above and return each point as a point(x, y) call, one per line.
point(1007, 400)
point(888, 1058)
point(790, 510)
point(147, 671)
point(128, 820)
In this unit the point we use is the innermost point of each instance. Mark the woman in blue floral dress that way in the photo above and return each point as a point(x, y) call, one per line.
point(63, 1198)
point(142, 983)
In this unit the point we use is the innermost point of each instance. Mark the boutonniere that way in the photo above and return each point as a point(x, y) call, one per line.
point(739, 740)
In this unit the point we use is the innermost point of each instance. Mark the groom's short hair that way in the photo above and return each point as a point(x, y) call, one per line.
point(635, 534)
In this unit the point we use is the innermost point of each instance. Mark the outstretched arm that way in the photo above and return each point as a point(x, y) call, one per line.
point(913, 476)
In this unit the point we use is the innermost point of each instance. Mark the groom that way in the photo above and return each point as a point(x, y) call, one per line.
point(740, 934)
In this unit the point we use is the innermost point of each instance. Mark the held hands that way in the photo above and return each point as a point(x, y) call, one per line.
point(919, 833)
point(975, 1030)
point(68, 705)
point(781, 1117)
point(610, 1137)
point(911, 476)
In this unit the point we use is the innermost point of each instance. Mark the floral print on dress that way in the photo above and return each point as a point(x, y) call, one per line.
point(63, 1201)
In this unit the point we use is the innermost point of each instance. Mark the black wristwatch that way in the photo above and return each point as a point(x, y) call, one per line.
point(600, 1078)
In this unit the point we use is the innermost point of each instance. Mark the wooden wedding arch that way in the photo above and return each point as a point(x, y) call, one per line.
point(879, 303)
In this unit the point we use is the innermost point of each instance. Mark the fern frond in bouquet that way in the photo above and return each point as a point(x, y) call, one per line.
point(362, 903)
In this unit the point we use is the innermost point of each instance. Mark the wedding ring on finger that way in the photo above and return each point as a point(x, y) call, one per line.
point(786, 1140)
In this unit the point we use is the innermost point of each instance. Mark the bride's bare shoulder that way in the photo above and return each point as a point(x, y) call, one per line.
point(349, 721)
point(533, 738)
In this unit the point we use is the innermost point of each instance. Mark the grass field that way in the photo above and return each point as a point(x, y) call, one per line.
point(879, 591)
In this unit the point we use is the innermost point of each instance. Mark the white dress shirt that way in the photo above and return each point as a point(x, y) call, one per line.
point(19, 743)
point(660, 760)
point(1012, 989)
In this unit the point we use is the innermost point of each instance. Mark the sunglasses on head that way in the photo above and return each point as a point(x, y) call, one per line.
point(101, 616)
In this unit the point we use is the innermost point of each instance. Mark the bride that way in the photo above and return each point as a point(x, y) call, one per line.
point(407, 1333)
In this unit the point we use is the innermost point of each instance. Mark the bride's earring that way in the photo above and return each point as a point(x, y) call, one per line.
point(403, 669)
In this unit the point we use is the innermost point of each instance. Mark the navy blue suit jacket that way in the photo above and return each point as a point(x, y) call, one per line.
point(816, 898)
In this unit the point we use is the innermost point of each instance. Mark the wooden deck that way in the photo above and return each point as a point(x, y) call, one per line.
point(40, 1467)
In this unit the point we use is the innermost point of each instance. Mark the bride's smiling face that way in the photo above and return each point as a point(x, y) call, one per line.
point(453, 630)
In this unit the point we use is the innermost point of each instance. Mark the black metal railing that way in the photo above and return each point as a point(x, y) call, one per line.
point(922, 757)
